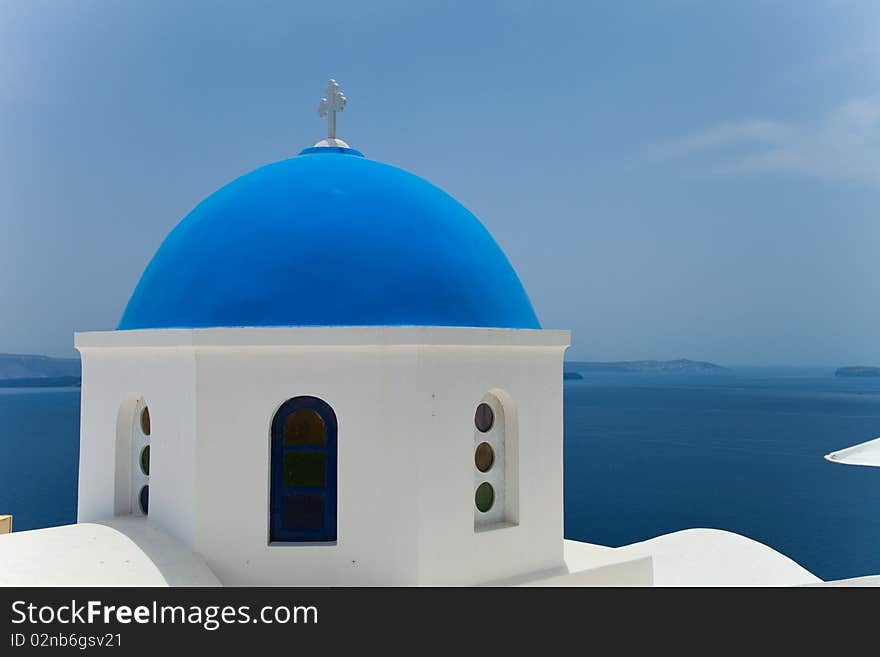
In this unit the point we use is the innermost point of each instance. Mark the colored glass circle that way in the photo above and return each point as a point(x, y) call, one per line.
point(144, 499)
point(484, 498)
point(145, 460)
point(484, 457)
point(145, 421)
point(484, 418)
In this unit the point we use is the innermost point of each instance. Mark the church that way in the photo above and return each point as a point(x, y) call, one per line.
point(330, 374)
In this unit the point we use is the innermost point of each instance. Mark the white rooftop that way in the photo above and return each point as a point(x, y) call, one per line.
point(867, 453)
point(127, 551)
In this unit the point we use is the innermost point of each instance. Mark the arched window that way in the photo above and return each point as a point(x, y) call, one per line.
point(496, 462)
point(132, 478)
point(302, 500)
point(141, 463)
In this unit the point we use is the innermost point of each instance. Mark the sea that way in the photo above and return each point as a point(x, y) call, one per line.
point(645, 454)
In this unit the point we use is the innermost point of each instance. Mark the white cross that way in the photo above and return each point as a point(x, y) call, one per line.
point(333, 102)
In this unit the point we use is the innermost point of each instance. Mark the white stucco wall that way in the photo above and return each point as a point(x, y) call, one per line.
point(165, 378)
point(404, 399)
point(455, 381)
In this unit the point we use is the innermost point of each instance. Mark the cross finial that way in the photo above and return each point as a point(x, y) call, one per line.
point(332, 102)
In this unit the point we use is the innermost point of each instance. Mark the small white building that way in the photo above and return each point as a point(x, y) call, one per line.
point(330, 374)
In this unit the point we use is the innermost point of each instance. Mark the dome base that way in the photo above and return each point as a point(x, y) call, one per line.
point(338, 143)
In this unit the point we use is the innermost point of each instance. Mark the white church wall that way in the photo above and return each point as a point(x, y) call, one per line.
point(404, 399)
point(375, 406)
point(164, 379)
point(452, 549)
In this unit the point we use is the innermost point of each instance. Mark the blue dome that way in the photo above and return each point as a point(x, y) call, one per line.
point(329, 238)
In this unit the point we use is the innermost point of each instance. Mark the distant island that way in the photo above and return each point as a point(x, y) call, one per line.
point(861, 370)
point(679, 365)
point(26, 366)
point(32, 371)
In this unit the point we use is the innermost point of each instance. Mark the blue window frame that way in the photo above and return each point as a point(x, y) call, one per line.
point(302, 500)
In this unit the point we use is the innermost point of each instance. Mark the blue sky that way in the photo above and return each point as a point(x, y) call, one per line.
point(670, 179)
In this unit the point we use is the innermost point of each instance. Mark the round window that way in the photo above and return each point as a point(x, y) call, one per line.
point(145, 421)
point(144, 499)
point(145, 460)
point(484, 498)
point(484, 457)
point(484, 418)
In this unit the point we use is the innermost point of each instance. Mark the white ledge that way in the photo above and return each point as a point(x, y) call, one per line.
point(332, 336)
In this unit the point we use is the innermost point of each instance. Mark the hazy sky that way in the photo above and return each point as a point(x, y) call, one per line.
point(670, 178)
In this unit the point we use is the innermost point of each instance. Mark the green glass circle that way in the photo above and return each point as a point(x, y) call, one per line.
point(145, 460)
point(484, 498)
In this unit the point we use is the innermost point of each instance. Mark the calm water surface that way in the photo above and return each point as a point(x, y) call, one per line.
point(651, 454)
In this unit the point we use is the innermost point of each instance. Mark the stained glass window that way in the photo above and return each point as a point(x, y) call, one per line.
point(303, 472)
